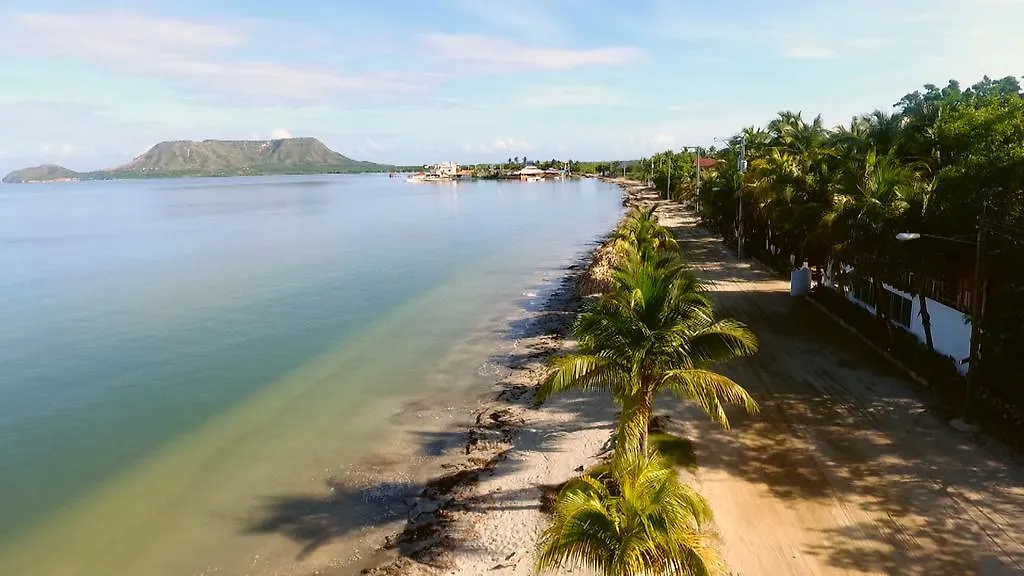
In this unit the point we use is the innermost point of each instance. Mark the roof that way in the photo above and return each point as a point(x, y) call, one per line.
point(530, 171)
point(707, 162)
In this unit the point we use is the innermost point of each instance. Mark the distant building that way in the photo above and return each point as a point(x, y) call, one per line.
point(531, 174)
point(445, 169)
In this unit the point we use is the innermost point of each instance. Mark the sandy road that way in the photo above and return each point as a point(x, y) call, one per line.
point(845, 471)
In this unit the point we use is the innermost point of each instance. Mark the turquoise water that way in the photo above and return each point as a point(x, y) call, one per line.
point(172, 350)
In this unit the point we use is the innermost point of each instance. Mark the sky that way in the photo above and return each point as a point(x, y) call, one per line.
point(90, 84)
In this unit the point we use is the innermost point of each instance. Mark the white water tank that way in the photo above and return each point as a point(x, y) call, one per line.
point(800, 281)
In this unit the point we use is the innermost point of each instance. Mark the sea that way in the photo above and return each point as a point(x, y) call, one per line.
point(191, 370)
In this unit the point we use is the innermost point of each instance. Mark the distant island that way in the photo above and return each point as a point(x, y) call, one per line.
point(186, 158)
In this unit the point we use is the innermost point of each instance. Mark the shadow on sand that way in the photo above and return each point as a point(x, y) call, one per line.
point(842, 426)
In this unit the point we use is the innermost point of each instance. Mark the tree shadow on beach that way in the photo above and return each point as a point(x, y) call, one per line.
point(844, 431)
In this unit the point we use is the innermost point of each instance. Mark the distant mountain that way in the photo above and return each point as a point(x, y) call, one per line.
point(44, 173)
point(215, 158)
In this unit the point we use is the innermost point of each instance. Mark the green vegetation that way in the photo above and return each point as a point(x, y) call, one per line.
point(675, 450)
point(637, 520)
point(948, 162)
point(653, 330)
point(46, 172)
point(217, 158)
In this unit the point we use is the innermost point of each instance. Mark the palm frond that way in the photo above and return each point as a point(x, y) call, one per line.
point(579, 372)
point(709, 390)
point(721, 341)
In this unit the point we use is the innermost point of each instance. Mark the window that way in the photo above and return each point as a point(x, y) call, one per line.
point(900, 308)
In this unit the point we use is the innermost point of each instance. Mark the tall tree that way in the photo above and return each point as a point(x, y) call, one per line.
point(867, 217)
point(655, 331)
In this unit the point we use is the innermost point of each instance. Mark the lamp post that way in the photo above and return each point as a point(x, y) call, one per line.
point(977, 307)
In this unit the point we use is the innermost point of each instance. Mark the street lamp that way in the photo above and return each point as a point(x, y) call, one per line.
point(977, 310)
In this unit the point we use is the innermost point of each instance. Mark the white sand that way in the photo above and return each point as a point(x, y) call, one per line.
point(845, 471)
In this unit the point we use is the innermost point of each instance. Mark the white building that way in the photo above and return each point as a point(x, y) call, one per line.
point(530, 174)
point(951, 328)
point(446, 169)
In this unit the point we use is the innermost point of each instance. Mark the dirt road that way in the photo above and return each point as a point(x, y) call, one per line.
point(845, 471)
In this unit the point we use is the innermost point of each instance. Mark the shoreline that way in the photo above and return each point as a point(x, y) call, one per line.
point(482, 511)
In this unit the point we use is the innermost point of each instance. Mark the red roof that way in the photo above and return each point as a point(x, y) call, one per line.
point(707, 162)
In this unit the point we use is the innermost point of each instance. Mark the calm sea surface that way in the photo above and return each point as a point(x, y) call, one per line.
point(174, 352)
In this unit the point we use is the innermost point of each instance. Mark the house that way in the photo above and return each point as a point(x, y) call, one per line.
point(531, 174)
point(950, 324)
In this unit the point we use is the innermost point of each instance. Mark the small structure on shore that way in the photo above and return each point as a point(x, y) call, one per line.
point(444, 171)
point(531, 174)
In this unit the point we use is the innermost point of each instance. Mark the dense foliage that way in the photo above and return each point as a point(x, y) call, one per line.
point(945, 162)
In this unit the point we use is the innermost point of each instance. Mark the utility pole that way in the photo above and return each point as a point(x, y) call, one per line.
point(977, 311)
point(742, 168)
point(668, 186)
point(698, 171)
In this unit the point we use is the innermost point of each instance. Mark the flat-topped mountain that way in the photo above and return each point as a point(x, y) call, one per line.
point(215, 158)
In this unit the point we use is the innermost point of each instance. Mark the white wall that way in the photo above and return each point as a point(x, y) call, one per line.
point(951, 329)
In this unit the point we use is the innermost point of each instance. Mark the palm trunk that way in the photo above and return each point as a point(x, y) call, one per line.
point(917, 287)
point(926, 321)
point(644, 414)
point(633, 431)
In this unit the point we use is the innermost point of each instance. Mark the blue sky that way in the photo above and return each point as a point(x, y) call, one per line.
point(91, 83)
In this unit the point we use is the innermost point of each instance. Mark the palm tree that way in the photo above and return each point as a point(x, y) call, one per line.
point(637, 521)
point(655, 331)
point(640, 230)
point(866, 218)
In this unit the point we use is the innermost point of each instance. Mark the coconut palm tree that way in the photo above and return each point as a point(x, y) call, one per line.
point(640, 230)
point(867, 217)
point(654, 331)
point(639, 520)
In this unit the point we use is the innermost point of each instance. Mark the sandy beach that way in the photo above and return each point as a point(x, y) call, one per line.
point(846, 471)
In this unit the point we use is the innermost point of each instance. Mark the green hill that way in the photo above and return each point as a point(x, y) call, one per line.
point(44, 173)
point(216, 158)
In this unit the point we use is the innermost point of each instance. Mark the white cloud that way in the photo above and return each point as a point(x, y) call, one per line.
point(511, 145)
point(570, 96)
point(201, 55)
point(662, 141)
point(120, 35)
point(497, 146)
point(506, 55)
point(280, 134)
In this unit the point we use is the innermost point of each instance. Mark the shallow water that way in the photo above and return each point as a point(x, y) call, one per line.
point(180, 357)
